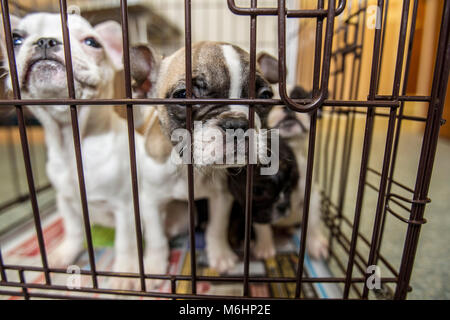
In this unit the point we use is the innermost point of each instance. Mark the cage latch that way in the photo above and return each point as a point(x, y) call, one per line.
point(411, 201)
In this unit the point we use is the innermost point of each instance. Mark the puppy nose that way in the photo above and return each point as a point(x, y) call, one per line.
point(47, 43)
point(282, 206)
point(234, 124)
point(288, 111)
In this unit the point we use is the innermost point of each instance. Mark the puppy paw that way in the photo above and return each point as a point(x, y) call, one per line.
point(156, 262)
point(264, 250)
point(221, 258)
point(65, 254)
point(125, 265)
point(128, 284)
point(317, 246)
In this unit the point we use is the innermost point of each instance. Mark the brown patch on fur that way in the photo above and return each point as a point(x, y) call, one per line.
point(144, 69)
point(119, 93)
point(157, 144)
point(121, 111)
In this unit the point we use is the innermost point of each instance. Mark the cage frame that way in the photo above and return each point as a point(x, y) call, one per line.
point(325, 17)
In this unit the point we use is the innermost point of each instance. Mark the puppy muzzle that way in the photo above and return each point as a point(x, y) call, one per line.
point(233, 124)
point(47, 45)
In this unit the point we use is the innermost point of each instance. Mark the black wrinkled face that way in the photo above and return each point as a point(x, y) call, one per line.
point(271, 193)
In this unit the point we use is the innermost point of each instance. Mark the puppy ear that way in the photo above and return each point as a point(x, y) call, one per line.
point(144, 70)
point(269, 67)
point(298, 92)
point(157, 145)
point(111, 34)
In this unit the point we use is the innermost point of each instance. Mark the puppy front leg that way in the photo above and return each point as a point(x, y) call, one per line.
point(156, 243)
point(125, 250)
point(264, 246)
point(72, 244)
point(220, 255)
point(316, 242)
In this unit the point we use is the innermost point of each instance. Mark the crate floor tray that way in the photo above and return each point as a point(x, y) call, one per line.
point(24, 250)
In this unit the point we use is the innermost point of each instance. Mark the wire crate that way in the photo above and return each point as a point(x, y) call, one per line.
point(359, 70)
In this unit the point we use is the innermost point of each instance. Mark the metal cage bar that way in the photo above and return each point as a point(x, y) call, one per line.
point(438, 93)
point(77, 139)
point(250, 148)
point(23, 136)
point(400, 118)
point(311, 153)
point(131, 141)
point(365, 155)
point(389, 139)
point(189, 127)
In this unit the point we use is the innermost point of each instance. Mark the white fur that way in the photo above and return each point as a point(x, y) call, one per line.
point(234, 65)
point(264, 245)
point(235, 69)
point(168, 182)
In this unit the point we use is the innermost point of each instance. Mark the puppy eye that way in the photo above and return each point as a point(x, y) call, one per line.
point(179, 94)
point(265, 94)
point(17, 40)
point(91, 42)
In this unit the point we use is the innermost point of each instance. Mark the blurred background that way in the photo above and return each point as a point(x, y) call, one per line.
point(161, 23)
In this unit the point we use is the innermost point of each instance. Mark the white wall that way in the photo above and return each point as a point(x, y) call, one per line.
point(212, 20)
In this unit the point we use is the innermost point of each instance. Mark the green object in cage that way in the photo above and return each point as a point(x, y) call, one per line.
point(102, 236)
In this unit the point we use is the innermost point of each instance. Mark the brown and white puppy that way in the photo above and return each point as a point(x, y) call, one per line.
point(220, 70)
point(96, 55)
point(271, 198)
